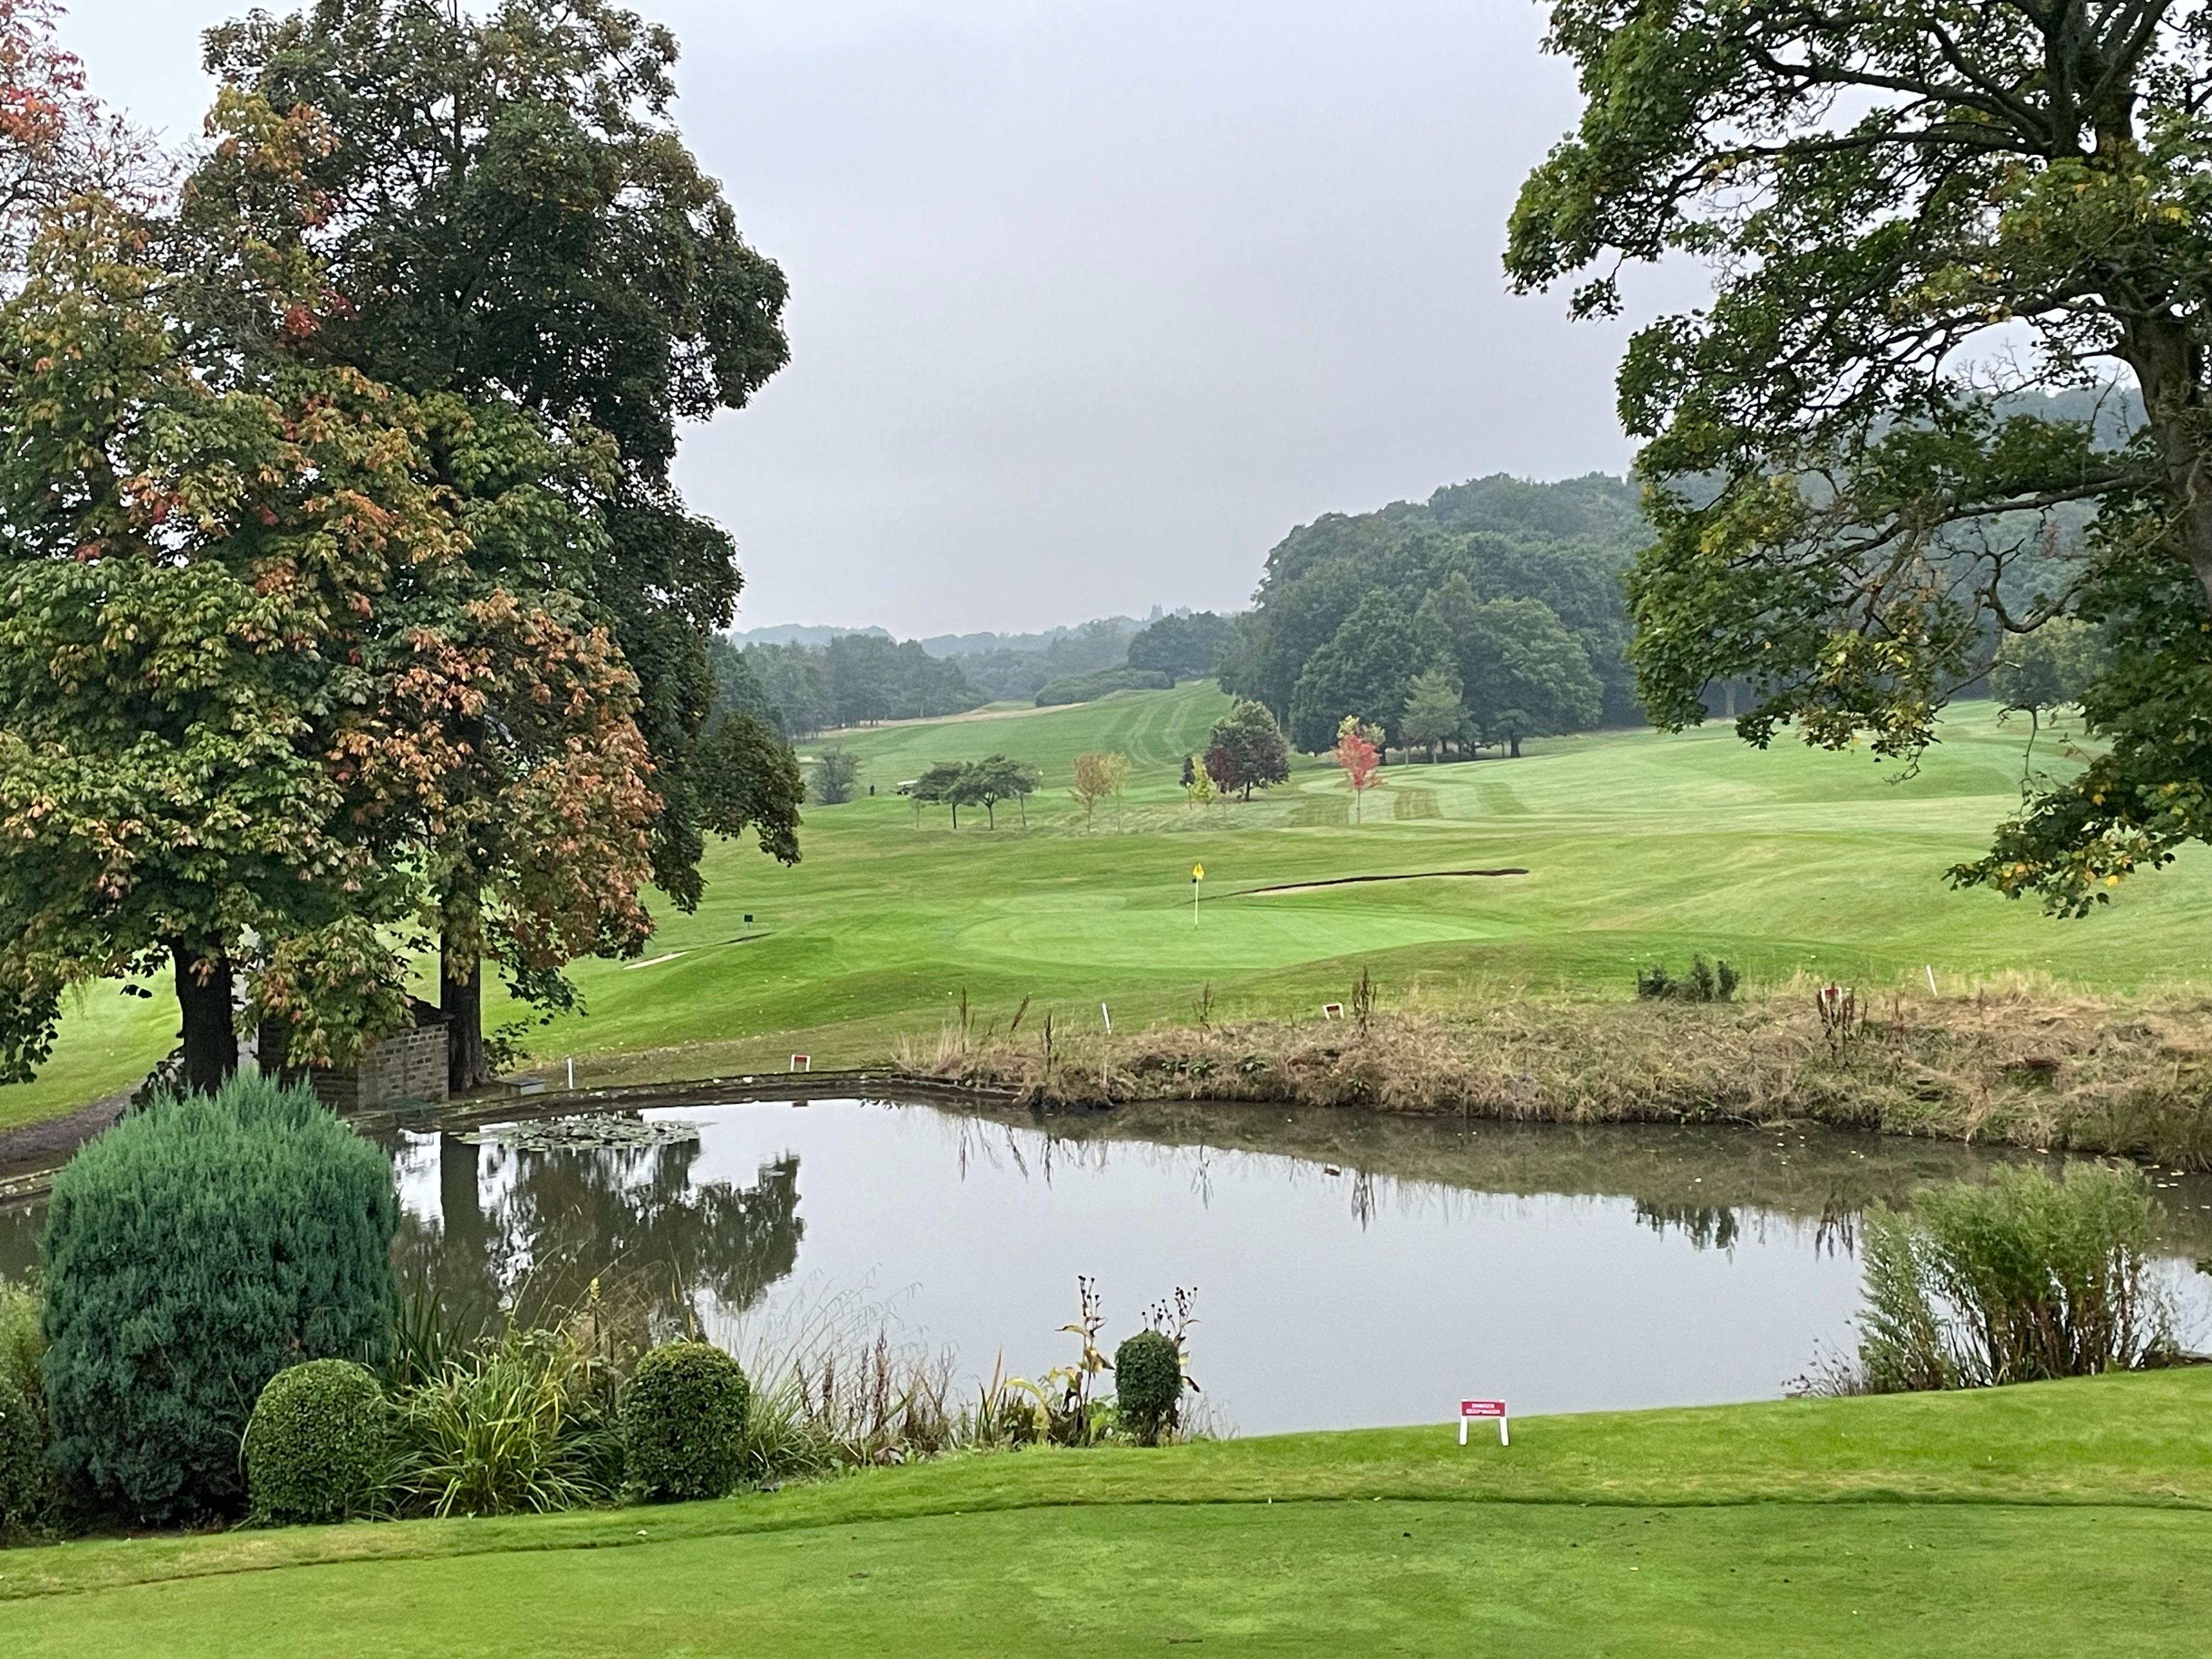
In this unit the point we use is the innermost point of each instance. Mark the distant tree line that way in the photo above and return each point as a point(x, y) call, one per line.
point(856, 679)
point(1506, 593)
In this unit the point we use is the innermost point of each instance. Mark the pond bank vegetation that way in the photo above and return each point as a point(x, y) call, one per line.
point(2016, 1062)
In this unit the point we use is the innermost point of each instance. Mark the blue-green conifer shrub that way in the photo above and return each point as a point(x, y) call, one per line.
point(192, 1253)
point(683, 1422)
point(317, 1444)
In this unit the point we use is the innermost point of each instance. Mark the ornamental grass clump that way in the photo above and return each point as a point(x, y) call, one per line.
point(524, 1425)
point(191, 1253)
point(317, 1444)
point(2019, 1279)
point(23, 1461)
point(683, 1423)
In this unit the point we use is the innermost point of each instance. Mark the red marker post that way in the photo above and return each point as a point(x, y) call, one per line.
point(1470, 1410)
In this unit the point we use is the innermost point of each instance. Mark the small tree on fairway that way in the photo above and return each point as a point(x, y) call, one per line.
point(1189, 770)
point(1355, 754)
point(995, 778)
point(1200, 790)
point(833, 772)
point(1092, 784)
point(939, 786)
point(1246, 751)
point(1434, 714)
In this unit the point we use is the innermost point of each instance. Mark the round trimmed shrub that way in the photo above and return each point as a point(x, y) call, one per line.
point(1148, 1385)
point(22, 1459)
point(683, 1422)
point(316, 1443)
point(192, 1253)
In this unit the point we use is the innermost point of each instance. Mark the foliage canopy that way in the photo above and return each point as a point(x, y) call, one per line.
point(1933, 227)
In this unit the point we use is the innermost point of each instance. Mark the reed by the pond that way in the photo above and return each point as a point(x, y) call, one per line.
point(2018, 1062)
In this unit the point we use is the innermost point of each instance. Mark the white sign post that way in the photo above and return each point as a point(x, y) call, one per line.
point(1469, 1410)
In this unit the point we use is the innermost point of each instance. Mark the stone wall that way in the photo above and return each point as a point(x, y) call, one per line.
point(410, 1067)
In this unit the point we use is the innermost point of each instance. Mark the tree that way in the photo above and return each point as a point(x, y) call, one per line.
point(987, 781)
point(1355, 754)
point(1931, 225)
point(191, 663)
point(1200, 790)
point(1434, 714)
point(1189, 770)
point(942, 783)
point(1246, 751)
point(1097, 777)
point(739, 689)
point(2048, 669)
point(1526, 675)
point(512, 214)
point(1365, 668)
point(833, 772)
point(1182, 648)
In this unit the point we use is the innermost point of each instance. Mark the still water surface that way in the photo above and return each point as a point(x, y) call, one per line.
point(1350, 1270)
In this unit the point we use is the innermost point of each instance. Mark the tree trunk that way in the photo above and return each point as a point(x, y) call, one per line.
point(2168, 365)
point(211, 1029)
point(461, 999)
point(460, 988)
point(1514, 746)
point(270, 1042)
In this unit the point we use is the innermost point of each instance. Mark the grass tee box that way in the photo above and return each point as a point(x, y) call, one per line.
point(1638, 848)
point(2058, 1518)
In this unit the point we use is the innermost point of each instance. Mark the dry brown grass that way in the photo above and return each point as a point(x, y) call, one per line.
point(2021, 1061)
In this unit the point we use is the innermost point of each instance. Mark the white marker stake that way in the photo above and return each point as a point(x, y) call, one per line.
point(572, 1073)
point(1932, 991)
point(1108, 1017)
point(1469, 1410)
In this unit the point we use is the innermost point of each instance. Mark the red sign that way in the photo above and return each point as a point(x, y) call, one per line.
point(1482, 1408)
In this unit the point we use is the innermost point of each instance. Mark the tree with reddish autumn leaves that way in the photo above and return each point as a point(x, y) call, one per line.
point(1357, 757)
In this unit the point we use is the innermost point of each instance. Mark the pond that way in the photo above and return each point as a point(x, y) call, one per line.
point(1350, 1269)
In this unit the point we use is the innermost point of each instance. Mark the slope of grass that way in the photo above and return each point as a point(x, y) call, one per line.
point(2062, 1517)
point(1639, 846)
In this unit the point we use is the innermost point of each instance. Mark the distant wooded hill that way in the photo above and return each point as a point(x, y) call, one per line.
point(1486, 582)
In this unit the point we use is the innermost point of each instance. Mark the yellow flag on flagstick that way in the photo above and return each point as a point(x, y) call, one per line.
point(1197, 873)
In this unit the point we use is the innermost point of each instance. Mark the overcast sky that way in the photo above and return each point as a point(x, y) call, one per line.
point(1092, 300)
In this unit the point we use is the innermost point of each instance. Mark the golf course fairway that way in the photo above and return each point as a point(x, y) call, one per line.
point(1639, 846)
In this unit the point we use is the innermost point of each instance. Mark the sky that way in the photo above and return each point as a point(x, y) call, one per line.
point(1093, 300)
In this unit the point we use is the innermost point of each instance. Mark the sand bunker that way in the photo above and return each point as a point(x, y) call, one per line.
point(1353, 881)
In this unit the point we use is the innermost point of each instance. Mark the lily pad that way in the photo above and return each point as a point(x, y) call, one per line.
point(592, 1132)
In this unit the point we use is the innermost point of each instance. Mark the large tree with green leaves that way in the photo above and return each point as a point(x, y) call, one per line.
point(192, 538)
point(1923, 218)
point(514, 216)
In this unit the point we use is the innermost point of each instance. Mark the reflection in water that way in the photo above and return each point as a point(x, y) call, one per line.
point(1706, 1227)
point(1358, 1269)
point(543, 1224)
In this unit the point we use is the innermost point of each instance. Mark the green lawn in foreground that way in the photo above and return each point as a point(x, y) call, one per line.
point(2061, 1518)
point(1639, 846)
